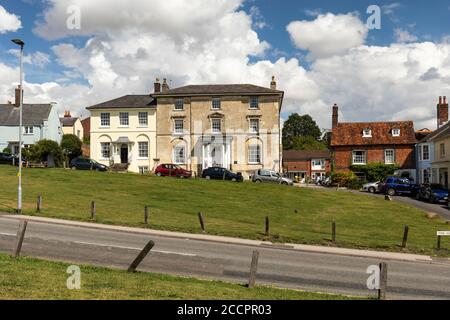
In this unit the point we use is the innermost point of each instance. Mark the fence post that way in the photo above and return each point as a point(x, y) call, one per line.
point(383, 281)
point(202, 222)
point(405, 237)
point(439, 242)
point(19, 238)
point(93, 207)
point(146, 215)
point(253, 269)
point(141, 256)
point(39, 203)
point(333, 232)
point(267, 226)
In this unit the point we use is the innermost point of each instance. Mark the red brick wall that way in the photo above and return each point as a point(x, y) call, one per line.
point(304, 165)
point(404, 156)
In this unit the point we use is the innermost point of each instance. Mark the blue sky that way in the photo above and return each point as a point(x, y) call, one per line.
point(81, 69)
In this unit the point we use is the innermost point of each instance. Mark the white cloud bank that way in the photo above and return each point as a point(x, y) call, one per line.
point(8, 22)
point(191, 43)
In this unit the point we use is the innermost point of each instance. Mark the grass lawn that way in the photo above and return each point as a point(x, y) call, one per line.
point(38, 279)
point(297, 215)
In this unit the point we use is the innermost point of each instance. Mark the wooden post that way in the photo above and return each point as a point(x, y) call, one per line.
point(141, 256)
point(202, 222)
point(39, 204)
point(253, 269)
point(19, 238)
point(146, 215)
point(383, 281)
point(267, 226)
point(337, 189)
point(405, 237)
point(93, 210)
point(439, 242)
point(333, 232)
point(224, 176)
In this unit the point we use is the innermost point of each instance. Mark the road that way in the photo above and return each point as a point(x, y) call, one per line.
point(231, 262)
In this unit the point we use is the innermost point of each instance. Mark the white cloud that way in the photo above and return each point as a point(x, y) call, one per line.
point(404, 36)
point(8, 22)
point(38, 58)
point(328, 34)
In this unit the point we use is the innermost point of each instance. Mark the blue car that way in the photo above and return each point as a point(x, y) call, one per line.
point(397, 186)
point(433, 193)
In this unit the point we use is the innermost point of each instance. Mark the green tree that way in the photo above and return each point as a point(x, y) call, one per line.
point(326, 139)
point(7, 150)
point(44, 149)
point(307, 143)
point(71, 146)
point(299, 126)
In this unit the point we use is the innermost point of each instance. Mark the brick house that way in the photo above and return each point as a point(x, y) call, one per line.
point(306, 164)
point(361, 143)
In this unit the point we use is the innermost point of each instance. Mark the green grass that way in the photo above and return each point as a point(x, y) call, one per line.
point(38, 279)
point(297, 215)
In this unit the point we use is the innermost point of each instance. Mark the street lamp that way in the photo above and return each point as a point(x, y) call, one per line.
point(19, 189)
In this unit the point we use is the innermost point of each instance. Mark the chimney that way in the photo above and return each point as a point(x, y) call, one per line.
point(335, 116)
point(17, 102)
point(67, 114)
point(165, 86)
point(157, 86)
point(273, 84)
point(442, 112)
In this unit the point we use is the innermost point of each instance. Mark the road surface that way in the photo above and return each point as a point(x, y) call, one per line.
point(223, 261)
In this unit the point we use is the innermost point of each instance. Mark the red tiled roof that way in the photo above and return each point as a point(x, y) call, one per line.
point(351, 134)
point(298, 155)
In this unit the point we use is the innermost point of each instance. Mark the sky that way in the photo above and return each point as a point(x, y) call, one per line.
point(83, 52)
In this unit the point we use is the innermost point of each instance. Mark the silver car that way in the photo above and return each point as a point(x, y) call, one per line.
point(270, 176)
point(371, 187)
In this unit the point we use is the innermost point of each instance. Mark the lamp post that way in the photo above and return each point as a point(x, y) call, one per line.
point(19, 189)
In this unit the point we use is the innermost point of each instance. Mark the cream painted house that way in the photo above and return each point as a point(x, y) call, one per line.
point(232, 126)
point(123, 131)
point(71, 125)
point(440, 166)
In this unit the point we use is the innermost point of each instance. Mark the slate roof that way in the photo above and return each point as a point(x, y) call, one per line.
point(299, 155)
point(32, 115)
point(219, 89)
point(439, 133)
point(126, 102)
point(350, 134)
point(68, 121)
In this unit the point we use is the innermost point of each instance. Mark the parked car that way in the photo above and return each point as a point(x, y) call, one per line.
point(372, 187)
point(221, 173)
point(433, 193)
point(6, 158)
point(270, 176)
point(172, 170)
point(87, 164)
point(397, 186)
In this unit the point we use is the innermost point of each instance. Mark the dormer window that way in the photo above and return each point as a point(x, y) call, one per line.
point(396, 132)
point(367, 133)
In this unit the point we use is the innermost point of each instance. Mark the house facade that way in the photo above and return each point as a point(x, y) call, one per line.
point(306, 164)
point(123, 131)
point(72, 125)
point(40, 121)
point(361, 143)
point(232, 126)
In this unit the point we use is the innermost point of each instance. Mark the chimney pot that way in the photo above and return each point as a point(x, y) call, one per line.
point(273, 83)
point(157, 86)
point(165, 86)
point(335, 118)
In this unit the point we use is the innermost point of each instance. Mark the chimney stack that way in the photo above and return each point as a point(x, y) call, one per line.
point(335, 119)
point(157, 86)
point(442, 112)
point(18, 97)
point(67, 114)
point(165, 86)
point(273, 84)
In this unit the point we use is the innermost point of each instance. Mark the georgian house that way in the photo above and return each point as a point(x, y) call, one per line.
point(40, 121)
point(123, 132)
point(233, 126)
point(306, 164)
point(355, 144)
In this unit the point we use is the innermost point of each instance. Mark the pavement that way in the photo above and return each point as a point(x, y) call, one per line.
point(311, 268)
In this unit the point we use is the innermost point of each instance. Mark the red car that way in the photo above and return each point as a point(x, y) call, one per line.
point(172, 170)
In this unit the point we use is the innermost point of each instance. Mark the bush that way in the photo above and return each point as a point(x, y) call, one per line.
point(376, 171)
point(7, 150)
point(71, 146)
point(342, 179)
point(41, 151)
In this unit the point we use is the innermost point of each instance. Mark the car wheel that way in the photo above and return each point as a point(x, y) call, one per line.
point(372, 190)
point(158, 174)
point(391, 192)
point(284, 183)
point(258, 181)
point(208, 178)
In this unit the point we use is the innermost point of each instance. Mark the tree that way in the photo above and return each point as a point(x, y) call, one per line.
point(326, 139)
point(45, 150)
point(299, 126)
point(71, 146)
point(7, 150)
point(307, 143)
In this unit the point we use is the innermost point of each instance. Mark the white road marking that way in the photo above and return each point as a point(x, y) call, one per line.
point(133, 248)
point(7, 234)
